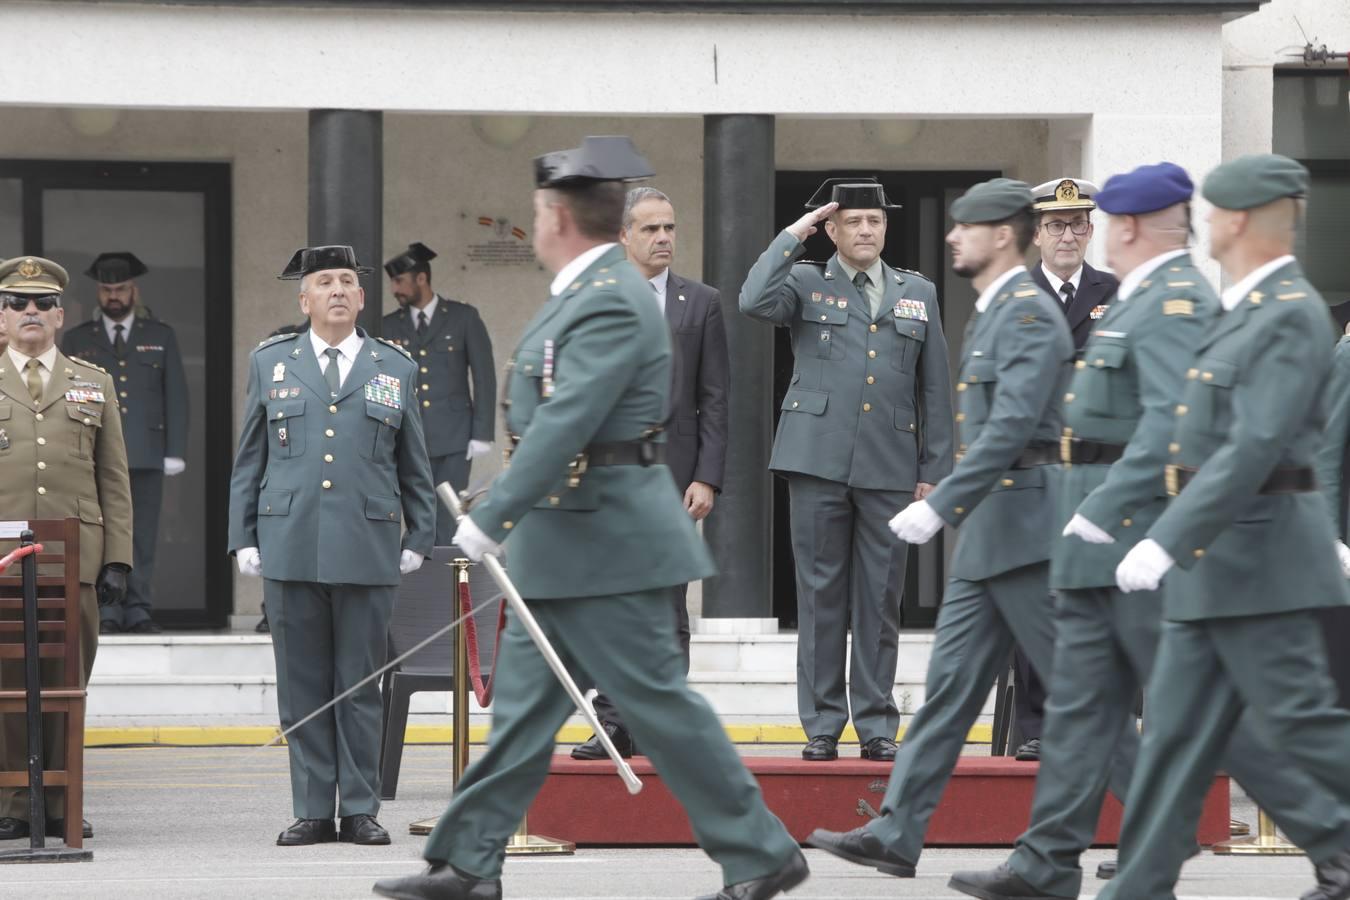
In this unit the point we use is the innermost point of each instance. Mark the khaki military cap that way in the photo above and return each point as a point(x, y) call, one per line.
point(992, 201)
point(32, 275)
point(1251, 181)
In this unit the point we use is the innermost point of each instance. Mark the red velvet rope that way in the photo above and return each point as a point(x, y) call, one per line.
point(19, 554)
point(482, 687)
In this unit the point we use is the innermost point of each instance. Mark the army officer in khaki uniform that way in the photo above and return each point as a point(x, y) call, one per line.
point(866, 426)
point(61, 455)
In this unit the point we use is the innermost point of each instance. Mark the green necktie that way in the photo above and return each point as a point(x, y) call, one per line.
point(34, 369)
point(860, 281)
point(331, 374)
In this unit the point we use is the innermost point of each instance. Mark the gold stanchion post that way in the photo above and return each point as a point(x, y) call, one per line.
point(1266, 842)
point(523, 843)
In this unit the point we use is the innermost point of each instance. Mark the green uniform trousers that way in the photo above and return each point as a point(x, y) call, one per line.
point(1105, 645)
point(326, 638)
point(1208, 674)
point(846, 557)
point(977, 625)
point(627, 643)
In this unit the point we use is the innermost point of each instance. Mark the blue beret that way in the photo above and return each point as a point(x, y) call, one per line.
point(1145, 189)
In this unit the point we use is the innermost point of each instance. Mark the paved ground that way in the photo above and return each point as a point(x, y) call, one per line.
point(200, 822)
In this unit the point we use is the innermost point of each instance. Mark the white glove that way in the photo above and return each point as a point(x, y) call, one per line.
point(1343, 554)
point(409, 561)
point(479, 448)
point(916, 523)
point(1143, 567)
point(1087, 531)
point(173, 465)
point(470, 538)
point(250, 561)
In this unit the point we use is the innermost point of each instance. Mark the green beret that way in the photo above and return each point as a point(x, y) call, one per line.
point(1251, 181)
point(992, 201)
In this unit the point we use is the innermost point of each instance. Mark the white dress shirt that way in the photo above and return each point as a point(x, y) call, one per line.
point(568, 273)
point(1235, 294)
point(1136, 276)
point(659, 283)
point(111, 327)
point(1057, 283)
point(987, 295)
point(47, 360)
point(348, 348)
point(429, 310)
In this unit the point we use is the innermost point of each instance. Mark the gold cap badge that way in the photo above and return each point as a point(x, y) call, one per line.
point(29, 268)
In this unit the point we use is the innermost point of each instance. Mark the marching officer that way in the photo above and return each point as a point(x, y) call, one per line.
point(866, 425)
point(1249, 537)
point(331, 466)
point(1331, 463)
point(453, 353)
point(1118, 424)
point(1015, 364)
point(61, 455)
point(141, 353)
point(598, 536)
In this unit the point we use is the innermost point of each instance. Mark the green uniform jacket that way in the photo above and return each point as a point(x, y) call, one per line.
point(1331, 458)
point(66, 458)
point(1124, 392)
point(454, 353)
point(1014, 365)
point(870, 400)
point(151, 387)
point(323, 488)
point(624, 528)
point(1253, 401)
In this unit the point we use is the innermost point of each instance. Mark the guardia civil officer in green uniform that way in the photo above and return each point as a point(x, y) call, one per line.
point(866, 426)
point(598, 535)
point(1118, 420)
point(1247, 541)
point(141, 353)
point(1331, 463)
point(457, 382)
point(331, 468)
point(1016, 361)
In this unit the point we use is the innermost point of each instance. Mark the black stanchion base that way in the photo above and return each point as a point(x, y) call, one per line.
point(58, 854)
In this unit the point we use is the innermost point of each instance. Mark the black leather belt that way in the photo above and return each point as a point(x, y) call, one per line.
point(625, 453)
point(1081, 451)
point(1289, 480)
point(1037, 455)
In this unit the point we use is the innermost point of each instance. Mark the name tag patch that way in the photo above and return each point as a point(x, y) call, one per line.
point(385, 390)
point(84, 395)
point(911, 309)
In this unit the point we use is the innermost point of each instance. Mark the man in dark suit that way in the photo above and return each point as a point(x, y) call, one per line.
point(696, 431)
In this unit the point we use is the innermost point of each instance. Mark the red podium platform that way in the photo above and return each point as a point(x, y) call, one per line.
point(987, 802)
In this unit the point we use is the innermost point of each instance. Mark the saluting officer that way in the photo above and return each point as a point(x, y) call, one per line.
point(141, 353)
point(453, 353)
point(1118, 420)
point(331, 466)
point(866, 425)
point(61, 455)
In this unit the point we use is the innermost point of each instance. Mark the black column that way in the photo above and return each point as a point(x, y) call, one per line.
point(738, 194)
point(346, 192)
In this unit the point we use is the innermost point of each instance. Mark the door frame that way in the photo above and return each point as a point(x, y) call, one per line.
point(214, 182)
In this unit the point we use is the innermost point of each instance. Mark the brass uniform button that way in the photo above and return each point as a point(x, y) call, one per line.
point(960, 510)
point(122, 363)
point(122, 378)
point(794, 404)
point(38, 417)
point(42, 466)
point(1199, 554)
point(1068, 398)
point(124, 410)
point(960, 417)
point(88, 421)
point(960, 388)
point(42, 442)
point(1099, 362)
point(328, 457)
point(41, 490)
point(327, 484)
point(332, 409)
point(421, 353)
point(872, 328)
point(1206, 376)
point(822, 318)
point(871, 354)
point(123, 393)
point(424, 370)
point(1174, 448)
point(867, 407)
point(554, 501)
point(1008, 482)
point(426, 403)
point(508, 524)
point(1192, 374)
point(426, 387)
point(280, 414)
point(329, 432)
point(1127, 522)
point(1080, 365)
point(871, 379)
point(1182, 409)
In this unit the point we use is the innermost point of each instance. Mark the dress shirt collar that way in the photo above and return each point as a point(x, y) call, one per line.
point(1130, 283)
point(568, 273)
point(660, 281)
point(349, 346)
point(429, 309)
point(873, 271)
point(1234, 295)
point(987, 296)
point(46, 357)
point(110, 326)
point(1056, 282)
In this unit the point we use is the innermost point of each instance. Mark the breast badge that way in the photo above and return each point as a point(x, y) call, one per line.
point(385, 390)
point(905, 308)
point(1097, 311)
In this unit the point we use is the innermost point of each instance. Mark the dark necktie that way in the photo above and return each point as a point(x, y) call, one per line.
point(860, 281)
point(1067, 290)
point(331, 374)
point(421, 322)
point(119, 342)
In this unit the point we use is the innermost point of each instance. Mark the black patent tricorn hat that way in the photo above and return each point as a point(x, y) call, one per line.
point(854, 192)
point(606, 158)
point(316, 259)
point(115, 268)
point(417, 254)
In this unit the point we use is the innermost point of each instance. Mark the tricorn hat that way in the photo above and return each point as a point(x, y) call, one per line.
point(853, 192)
point(608, 158)
point(316, 259)
point(417, 254)
point(115, 268)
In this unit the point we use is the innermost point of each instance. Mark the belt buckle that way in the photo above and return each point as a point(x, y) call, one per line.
point(1066, 447)
point(576, 468)
point(1172, 480)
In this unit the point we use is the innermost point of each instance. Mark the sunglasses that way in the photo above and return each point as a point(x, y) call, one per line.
point(19, 302)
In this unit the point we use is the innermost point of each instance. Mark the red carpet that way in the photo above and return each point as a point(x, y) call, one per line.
point(987, 802)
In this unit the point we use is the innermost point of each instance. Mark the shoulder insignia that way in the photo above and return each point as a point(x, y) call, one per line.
point(1028, 319)
point(1030, 293)
point(389, 343)
point(1178, 307)
point(1296, 295)
point(911, 271)
point(87, 364)
point(276, 339)
point(1174, 269)
point(1286, 283)
point(818, 263)
point(1256, 297)
point(1180, 284)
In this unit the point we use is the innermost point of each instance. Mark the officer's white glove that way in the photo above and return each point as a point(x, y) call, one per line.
point(1084, 529)
point(1343, 554)
point(409, 561)
point(1143, 567)
point(250, 561)
point(479, 448)
point(173, 465)
point(916, 523)
point(470, 538)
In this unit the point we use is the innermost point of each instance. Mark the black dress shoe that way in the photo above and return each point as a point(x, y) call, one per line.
point(308, 831)
point(879, 749)
point(593, 749)
point(107, 626)
point(1107, 869)
point(792, 873)
point(362, 829)
point(440, 882)
point(821, 748)
point(12, 829)
point(57, 828)
point(1333, 879)
point(996, 884)
point(1029, 752)
point(862, 847)
point(144, 626)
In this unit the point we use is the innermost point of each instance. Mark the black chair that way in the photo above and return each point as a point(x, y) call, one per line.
point(427, 602)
